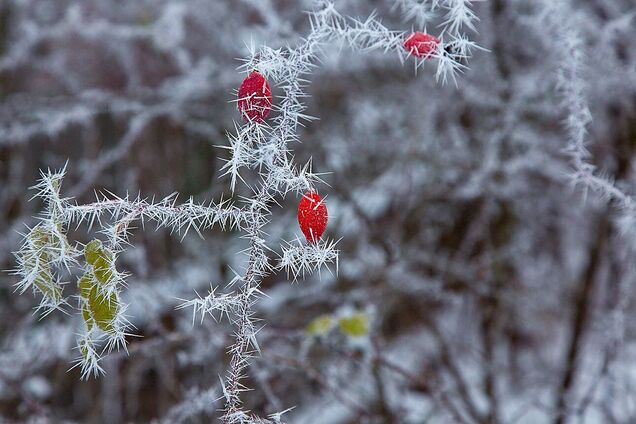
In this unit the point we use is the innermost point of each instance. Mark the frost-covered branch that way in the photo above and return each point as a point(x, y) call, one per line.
point(572, 86)
point(299, 259)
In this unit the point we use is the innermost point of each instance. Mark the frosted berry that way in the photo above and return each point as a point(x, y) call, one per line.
point(421, 45)
point(312, 216)
point(255, 98)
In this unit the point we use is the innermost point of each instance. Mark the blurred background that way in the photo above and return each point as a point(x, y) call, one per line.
point(493, 291)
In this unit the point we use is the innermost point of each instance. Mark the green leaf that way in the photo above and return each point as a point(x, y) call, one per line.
point(85, 285)
point(92, 251)
point(88, 319)
point(355, 325)
point(40, 262)
point(102, 271)
point(103, 308)
point(101, 259)
point(45, 283)
point(99, 308)
point(39, 237)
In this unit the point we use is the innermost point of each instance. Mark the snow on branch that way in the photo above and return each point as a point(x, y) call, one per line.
point(572, 87)
point(298, 258)
point(215, 305)
point(180, 218)
point(456, 14)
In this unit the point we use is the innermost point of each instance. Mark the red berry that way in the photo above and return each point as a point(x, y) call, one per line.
point(421, 45)
point(255, 98)
point(312, 216)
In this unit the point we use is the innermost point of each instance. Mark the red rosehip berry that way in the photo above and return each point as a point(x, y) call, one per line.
point(255, 98)
point(421, 45)
point(312, 216)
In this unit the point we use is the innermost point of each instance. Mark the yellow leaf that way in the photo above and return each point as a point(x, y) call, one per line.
point(320, 326)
